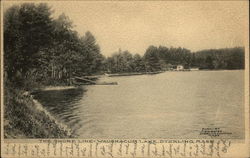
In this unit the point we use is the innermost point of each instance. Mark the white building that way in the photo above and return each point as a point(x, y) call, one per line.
point(180, 67)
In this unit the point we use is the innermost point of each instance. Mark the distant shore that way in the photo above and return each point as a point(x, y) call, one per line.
point(158, 72)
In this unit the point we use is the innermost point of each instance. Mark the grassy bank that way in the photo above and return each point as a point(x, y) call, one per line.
point(25, 117)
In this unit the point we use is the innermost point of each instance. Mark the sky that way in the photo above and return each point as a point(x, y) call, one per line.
point(135, 25)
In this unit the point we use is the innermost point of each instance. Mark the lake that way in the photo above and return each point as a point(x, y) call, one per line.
point(166, 105)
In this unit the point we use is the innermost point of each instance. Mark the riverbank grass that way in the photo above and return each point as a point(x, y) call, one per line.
point(24, 117)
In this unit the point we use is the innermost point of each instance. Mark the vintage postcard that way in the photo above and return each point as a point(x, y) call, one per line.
point(124, 78)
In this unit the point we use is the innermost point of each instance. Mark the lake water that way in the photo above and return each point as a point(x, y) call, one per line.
point(166, 105)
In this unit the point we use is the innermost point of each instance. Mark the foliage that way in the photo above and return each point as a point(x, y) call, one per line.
point(228, 58)
point(152, 60)
point(46, 49)
point(162, 58)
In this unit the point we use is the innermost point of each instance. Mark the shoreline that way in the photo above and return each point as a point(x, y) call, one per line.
point(50, 88)
point(36, 122)
point(158, 72)
point(61, 126)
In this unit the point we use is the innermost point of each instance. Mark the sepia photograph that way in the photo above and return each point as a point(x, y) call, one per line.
point(124, 70)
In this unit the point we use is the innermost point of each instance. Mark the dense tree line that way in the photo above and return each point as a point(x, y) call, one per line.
point(124, 61)
point(39, 48)
point(154, 59)
point(42, 49)
point(227, 58)
point(162, 58)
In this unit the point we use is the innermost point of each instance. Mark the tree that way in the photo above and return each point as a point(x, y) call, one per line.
point(46, 50)
point(90, 52)
point(151, 59)
point(139, 64)
point(28, 29)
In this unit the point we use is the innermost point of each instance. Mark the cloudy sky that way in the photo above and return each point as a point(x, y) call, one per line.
point(135, 25)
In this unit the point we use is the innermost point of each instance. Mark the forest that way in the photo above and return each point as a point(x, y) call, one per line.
point(162, 58)
point(39, 49)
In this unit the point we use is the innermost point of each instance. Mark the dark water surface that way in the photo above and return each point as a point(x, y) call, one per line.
point(167, 105)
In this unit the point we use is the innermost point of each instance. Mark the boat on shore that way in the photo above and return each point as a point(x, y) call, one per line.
point(88, 81)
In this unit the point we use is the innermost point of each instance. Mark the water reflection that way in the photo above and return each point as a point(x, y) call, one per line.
point(63, 104)
point(167, 105)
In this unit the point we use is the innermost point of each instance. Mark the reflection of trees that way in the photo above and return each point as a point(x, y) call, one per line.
point(61, 103)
